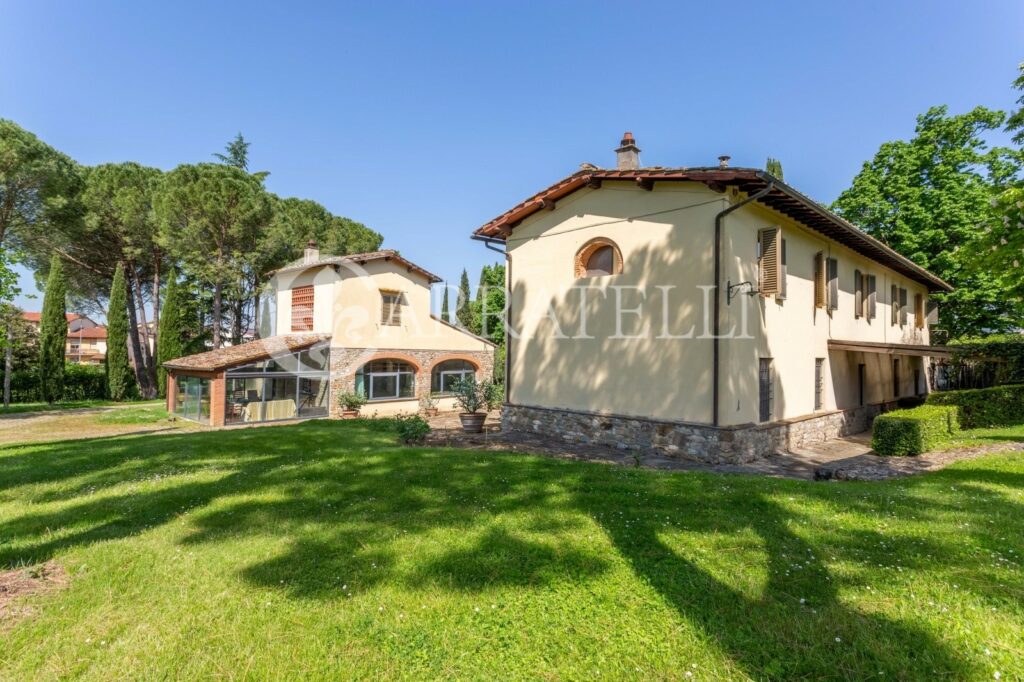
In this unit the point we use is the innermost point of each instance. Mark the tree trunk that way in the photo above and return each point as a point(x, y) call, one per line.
point(256, 315)
point(139, 302)
point(236, 321)
point(134, 347)
point(156, 305)
point(216, 314)
point(8, 366)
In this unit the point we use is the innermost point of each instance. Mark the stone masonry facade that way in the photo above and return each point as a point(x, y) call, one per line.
point(345, 362)
point(699, 442)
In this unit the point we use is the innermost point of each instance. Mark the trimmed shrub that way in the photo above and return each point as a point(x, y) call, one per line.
point(81, 382)
point(412, 429)
point(985, 407)
point(911, 432)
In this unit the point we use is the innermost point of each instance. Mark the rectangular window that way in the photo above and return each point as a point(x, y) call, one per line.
point(302, 309)
point(766, 389)
point(919, 311)
point(872, 298)
point(783, 285)
point(770, 261)
point(903, 307)
point(833, 284)
point(391, 308)
point(932, 312)
point(819, 384)
point(917, 382)
point(861, 371)
point(895, 378)
point(894, 304)
point(820, 298)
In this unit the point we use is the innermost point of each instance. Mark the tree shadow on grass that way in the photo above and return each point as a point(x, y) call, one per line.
point(340, 498)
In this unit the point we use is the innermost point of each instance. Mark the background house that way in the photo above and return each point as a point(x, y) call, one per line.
point(86, 342)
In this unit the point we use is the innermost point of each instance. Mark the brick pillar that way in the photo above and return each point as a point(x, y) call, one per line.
point(217, 395)
point(172, 391)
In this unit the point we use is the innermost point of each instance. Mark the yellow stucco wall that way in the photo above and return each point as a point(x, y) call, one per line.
point(347, 305)
point(666, 239)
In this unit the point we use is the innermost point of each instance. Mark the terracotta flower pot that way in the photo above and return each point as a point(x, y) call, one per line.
point(349, 414)
point(430, 411)
point(472, 422)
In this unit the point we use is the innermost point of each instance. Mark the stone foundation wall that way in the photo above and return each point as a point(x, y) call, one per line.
point(345, 362)
point(700, 442)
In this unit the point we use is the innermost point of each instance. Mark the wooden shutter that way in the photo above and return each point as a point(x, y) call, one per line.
point(390, 308)
point(302, 309)
point(783, 287)
point(833, 284)
point(903, 307)
point(858, 293)
point(771, 259)
point(872, 297)
point(932, 311)
point(894, 305)
point(919, 311)
point(819, 280)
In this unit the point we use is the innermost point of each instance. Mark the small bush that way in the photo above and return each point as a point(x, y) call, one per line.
point(351, 401)
point(985, 407)
point(412, 430)
point(911, 432)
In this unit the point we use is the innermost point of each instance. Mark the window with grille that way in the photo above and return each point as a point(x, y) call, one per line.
point(819, 383)
point(766, 389)
point(302, 309)
point(391, 308)
point(895, 378)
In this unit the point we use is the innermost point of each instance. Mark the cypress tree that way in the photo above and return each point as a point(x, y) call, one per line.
point(444, 305)
point(53, 334)
point(462, 307)
point(170, 341)
point(120, 377)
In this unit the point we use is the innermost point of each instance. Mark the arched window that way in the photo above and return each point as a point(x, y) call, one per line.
point(386, 380)
point(445, 374)
point(597, 258)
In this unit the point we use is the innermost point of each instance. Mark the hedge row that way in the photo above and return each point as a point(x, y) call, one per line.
point(911, 432)
point(81, 382)
point(985, 407)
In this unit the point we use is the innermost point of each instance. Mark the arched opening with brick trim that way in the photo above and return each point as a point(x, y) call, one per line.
point(446, 371)
point(599, 257)
point(387, 379)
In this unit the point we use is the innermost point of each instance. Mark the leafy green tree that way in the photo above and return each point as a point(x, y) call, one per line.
point(774, 167)
point(210, 218)
point(38, 185)
point(120, 377)
point(1015, 123)
point(489, 307)
point(19, 344)
point(928, 197)
point(237, 153)
point(53, 334)
point(463, 309)
point(444, 305)
point(174, 330)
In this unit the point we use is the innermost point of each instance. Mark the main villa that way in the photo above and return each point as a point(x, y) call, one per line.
point(713, 313)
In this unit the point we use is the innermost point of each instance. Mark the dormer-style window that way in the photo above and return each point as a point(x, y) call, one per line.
point(598, 258)
point(391, 308)
point(302, 309)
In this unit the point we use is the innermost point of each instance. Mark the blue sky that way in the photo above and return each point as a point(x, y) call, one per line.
point(425, 120)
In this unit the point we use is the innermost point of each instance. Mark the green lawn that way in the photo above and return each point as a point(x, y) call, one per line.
point(324, 550)
point(22, 408)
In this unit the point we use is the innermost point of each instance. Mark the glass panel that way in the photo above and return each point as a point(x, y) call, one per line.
point(193, 399)
point(314, 359)
point(383, 386)
point(601, 261)
point(243, 399)
point(406, 385)
point(279, 398)
point(313, 397)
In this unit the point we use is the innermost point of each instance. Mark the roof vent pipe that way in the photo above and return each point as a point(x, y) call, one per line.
point(627, 156)
point(723, 161)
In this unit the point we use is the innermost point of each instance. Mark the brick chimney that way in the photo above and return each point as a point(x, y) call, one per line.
point(311, 254)
point(627, 156)
point(723, 161)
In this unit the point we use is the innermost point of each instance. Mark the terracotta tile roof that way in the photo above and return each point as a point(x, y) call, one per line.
point(37, 316)
point(359, 259)
point(89, 333)
point(782, 198)
point(243, 353)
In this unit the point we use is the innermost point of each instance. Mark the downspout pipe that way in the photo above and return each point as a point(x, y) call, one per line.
point(490, 243)
point(717, 323)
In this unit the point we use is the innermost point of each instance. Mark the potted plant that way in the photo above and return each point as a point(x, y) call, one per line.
point(350, 404)
point(475, 399)
point(428, 403)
